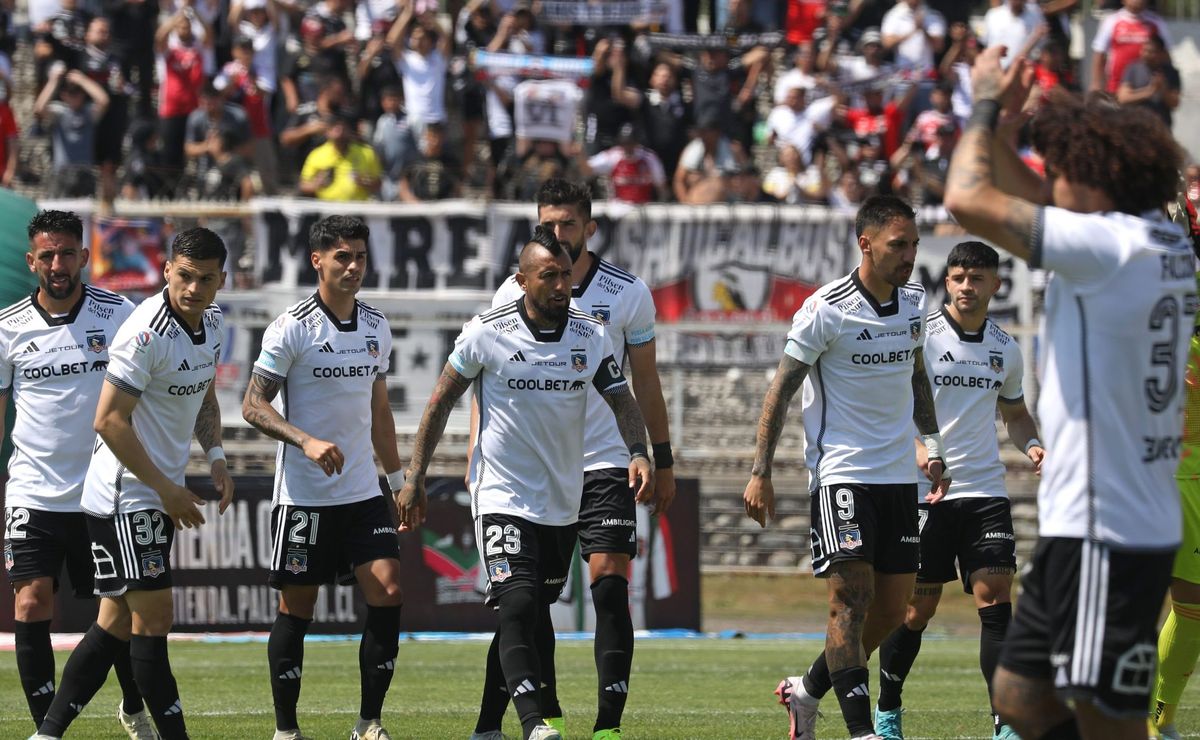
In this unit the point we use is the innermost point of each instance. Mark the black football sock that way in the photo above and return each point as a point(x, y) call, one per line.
point(614, 648)
point(152, 670)
point(83, 675)
point(993, 624)
point(495, 694)
point(850, 684)
point(817, 681)
point(896, 656)
point(518, 654)
point(544, 637)
point(131, 698)
point(35, 664)
point(1068, 730)
point(377, 657)
point(285, 656)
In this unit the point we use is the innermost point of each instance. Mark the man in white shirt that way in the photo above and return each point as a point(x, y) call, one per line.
point(422, 58)
point(1010, 24)
point(1120, 306)
point(915, 32)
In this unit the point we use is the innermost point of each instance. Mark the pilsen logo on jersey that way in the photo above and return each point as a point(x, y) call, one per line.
point(372, 346)
point(996, 363)
point(96, 341)
point(152, 564)
point(914, 329)
point(579, 362)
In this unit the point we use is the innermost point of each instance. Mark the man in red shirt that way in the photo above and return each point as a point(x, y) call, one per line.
point(1119, 42)
point(8, 139)
point(878, 119)
point(180, 61)
point(634, 172)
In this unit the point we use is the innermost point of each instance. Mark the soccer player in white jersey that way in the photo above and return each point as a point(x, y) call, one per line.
point(158, 392)
point(53, 352)
point(856, 347)
point(607, 514)
point(1079, 657)
point(532, 361)
point(976, 369)
point(330, 355)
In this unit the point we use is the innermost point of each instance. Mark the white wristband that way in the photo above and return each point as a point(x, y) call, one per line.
point(395, 480)
point(934, 446)
point(1035, 442)
point(214, 454)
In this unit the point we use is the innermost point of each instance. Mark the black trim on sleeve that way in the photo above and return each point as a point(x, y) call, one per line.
point(123, 386)
point(267, 374)
point(1013, 401)
point(1036, 235)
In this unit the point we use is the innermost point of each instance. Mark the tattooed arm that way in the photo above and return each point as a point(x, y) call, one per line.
point(410, 500)
point(759, 496)
point(971, 192)
point(925, 418)
point(632, 427)
point(208, 434)
point(258, 411)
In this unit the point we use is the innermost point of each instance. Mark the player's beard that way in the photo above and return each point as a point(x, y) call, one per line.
point(555, 312)
point(59, 294)
point(574, 251)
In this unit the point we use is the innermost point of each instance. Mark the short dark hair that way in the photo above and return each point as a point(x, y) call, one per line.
point(879, 211)
point(56, 222)
point(333, 230)
point(1126, 152)
point(973, 254)
point(199, 244)
point(559, 192)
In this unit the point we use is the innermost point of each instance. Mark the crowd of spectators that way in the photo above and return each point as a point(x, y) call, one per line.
point(793, 101)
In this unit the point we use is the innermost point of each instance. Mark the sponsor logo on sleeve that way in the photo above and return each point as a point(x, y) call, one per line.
point(142, 340)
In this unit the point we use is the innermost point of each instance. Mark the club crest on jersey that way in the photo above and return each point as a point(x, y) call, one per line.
point(152, 565)
point(914, 330)
point(8, 557)
point(96, 342)
point(602, 314)
point(996, 363)
point(579, 362)
point(372, 346)
point(142, 340)
point(499, 571)
point(297, 562)
point(850, 539)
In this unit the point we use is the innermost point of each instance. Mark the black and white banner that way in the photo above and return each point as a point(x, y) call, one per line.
point(602, 12)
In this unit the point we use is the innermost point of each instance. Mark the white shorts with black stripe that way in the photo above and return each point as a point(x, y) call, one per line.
point(131, 552)
point(1087, 620)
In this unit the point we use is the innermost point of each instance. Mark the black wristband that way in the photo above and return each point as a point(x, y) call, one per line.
point(662, 455)
point(984, 113)
point(637, 449)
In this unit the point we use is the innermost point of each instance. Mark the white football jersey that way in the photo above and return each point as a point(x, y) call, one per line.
point(858, 399)
point(531, 386)
point(1114, 347)
point(52, 367)
point(156, 357)
point(969, 373)
point(624, 304)
point(327, 369)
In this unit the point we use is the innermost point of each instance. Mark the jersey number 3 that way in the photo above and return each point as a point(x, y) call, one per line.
point(510, 535)
point(1164, 318)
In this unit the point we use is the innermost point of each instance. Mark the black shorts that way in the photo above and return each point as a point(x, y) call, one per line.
point(607, 513)
point(131, 552)
point(315, 545)
point(517, 552)
point(977, 532)
point(1087, 620)
point(38, 543)
point(110, 133)
point(872, 522)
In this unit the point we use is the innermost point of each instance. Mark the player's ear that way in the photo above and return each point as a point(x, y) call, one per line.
point(315, 258)
point(85, 256)
point(590, 230)
point(167, 271)
point(224, 277)
point(521, 280)
point(864, 244)
point(29, 260)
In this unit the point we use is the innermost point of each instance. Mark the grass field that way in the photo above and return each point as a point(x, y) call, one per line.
point(712, 689)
